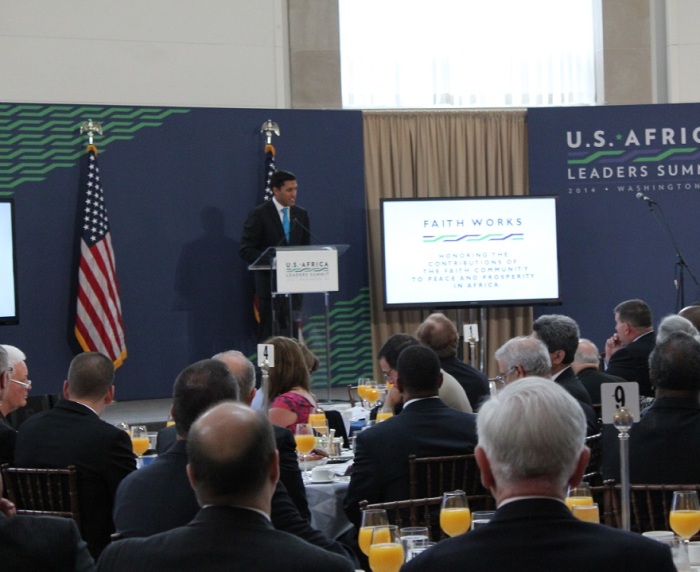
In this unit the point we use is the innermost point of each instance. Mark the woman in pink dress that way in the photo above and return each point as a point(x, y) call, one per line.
point(289, 391)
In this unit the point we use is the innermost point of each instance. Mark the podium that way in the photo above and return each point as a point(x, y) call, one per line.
point(302, 270)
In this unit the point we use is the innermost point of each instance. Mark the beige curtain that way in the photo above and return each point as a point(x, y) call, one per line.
point(466, 153)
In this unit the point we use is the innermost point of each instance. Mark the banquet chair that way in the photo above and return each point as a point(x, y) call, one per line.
point(432, 476)
point(51, 492)
point(412, 512)
point(650, 505)
point(335, 421)
point(593, 474)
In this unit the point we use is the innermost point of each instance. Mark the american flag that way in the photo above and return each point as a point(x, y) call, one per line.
point(270, 169)
point(98, 323)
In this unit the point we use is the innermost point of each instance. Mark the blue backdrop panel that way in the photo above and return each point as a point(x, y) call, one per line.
point(185, 292)
point(612, 248)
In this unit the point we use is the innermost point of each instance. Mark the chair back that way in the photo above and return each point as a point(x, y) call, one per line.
point(593, 474)
point(335, 421)
point(412, 512)
point(51, 492)
point(432, 476)
point(650, 505)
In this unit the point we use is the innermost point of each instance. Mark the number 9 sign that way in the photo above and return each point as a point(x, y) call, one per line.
point(616, 395)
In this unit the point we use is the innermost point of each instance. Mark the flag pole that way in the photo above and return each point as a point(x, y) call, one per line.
point(90, 127)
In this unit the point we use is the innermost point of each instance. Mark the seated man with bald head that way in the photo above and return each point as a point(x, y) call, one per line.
point(531, 448)
point(233, 469)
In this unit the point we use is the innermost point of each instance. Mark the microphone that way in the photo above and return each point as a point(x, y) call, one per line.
point(295, 220)
point(643, 197)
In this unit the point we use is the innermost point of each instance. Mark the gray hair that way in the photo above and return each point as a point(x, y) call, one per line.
point(241, 367)
point(587, 352)
point(14, 355)
point(529, 353)
point(4, 362)
point(558, 332)
point(674, 323)
point(532, 428)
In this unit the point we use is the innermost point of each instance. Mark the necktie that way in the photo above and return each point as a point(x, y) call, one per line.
point(285, 222)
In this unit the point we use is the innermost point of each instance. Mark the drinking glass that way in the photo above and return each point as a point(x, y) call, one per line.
point(372, 392)
point(586, 512)
point(383, 415)
point(412, 536)
point(685, 514)
point(481, 517)
point(317, 418)
point(370, 519)
point(455, 517)
point(306, 441)
point(580, 495)
point(385, 550)
point(139, 439)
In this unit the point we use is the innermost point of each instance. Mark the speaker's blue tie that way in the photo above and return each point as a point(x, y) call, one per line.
point(285, 222)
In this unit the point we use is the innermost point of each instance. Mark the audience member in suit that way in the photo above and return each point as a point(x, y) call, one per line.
point(158, 497)
point(586, 366)
point(72, 433)
point(451, 393)
point(526, 356)
point(440, 334)
point(627, 350)
point(14, 398)
point(663, 444)
point(692, 313)
point(46, 543)
point(531, 447)
point(264, 228)
point(233, 469)
point(425, 427)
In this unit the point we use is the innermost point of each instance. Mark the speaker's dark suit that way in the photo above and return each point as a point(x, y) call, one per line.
point(221, 538)
point(663, 445)
point(592, 379)
point(159, 497)
point(632, 362)
point(534, 535)
point(46, 543)
point(262, 229)
point(73, 434)
point(290, 475)
point(425, 428)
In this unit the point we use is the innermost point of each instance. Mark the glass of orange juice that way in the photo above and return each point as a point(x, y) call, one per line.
point(385, 550)
point(580, 495)
point(455, 516)
point(306, 441)
point(317, 418)
point(370, 519)
point(384, 415)
point(139, 439)
point(685, 514)
point(586, 512)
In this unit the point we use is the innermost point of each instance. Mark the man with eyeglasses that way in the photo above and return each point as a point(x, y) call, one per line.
point(17, 388)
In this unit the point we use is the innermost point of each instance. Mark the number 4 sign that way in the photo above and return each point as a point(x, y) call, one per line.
point(616, 395)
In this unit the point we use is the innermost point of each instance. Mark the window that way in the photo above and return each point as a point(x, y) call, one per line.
point(466, 53)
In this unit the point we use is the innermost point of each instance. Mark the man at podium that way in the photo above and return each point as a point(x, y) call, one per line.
point(276, 222)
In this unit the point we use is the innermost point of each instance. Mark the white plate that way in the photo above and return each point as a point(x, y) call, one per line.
point(311, 482)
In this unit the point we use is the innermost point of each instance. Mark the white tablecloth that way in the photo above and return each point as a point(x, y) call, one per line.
point(326, 504)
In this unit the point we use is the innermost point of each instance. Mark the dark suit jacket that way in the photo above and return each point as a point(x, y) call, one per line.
point(592, 379)
point(663, 445)
point(46, 543)
point(536, 535)
point(632, 362)
point(221, 538)
point(72, 434)
point(568, 380)
point(425, 428)
point(474, 382)
point(263, 228)
point(159, 497)
point(290, 475)
point(8, 438)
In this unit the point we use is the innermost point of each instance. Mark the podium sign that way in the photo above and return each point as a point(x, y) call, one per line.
point(301, 271)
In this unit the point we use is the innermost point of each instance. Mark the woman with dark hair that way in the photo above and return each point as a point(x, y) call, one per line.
point(289, 390)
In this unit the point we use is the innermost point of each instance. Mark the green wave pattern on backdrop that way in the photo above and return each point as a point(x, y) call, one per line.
point(37, 139)
point(351, 341)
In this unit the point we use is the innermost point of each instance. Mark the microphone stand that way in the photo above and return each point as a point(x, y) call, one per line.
point(681, 265)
